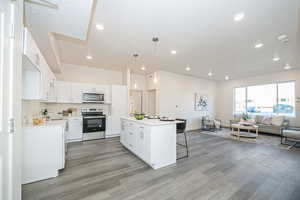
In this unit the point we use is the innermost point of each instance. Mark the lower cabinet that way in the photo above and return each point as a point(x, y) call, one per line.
point(74, 129)
point(155, 145)
point(43, 152)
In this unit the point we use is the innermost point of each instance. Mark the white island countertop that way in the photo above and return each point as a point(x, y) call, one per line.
point(151, 122)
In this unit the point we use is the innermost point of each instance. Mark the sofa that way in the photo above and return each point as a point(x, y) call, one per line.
point(266, 124)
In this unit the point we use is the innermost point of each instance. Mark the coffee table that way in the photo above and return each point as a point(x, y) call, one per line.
point(246, 134)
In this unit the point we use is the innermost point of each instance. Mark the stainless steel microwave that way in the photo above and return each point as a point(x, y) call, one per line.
point(92, 98)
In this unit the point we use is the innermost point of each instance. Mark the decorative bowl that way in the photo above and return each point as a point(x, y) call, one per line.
point(139, 116)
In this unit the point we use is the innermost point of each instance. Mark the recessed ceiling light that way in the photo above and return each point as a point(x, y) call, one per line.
point(143, 68)
point(100, 27)
point(187, 68)
point(226, 78)
point(209, 74)
point(89, 57)
point(258, 45)
point(276, 58)
point(283, 38)
point(239, 16)
point(287, 66)
point(173, 52)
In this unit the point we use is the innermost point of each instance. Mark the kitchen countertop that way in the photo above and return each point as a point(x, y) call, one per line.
point(50, 123)
point(151, 122)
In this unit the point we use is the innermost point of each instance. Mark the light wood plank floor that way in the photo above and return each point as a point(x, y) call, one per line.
point(218, 169)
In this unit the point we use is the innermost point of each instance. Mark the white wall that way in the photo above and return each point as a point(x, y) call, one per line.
point(140, 81)
point(224, 103)
point(176, 97)
point(84, 74)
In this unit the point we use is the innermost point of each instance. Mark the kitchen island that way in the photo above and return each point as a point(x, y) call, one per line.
point(152, 140)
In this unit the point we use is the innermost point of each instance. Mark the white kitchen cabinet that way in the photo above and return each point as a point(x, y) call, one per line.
point(63, 92)
point(43, 151)
point(37, 76)
point(74, 129)
point(118, 109)
point(141, 145)
point(52, 89)
point(31, 78)
point(77, 90)
point(151, 140)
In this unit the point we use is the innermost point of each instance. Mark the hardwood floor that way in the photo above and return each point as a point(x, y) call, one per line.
point(217, 168)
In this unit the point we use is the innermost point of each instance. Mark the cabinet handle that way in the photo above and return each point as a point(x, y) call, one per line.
point(130, 133)
point(142, 135)
point(141, 127)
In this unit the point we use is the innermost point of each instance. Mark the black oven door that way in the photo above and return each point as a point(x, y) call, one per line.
point(93, 124)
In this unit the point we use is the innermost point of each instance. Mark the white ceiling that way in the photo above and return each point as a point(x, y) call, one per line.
point(203, 32)
point(70, 18)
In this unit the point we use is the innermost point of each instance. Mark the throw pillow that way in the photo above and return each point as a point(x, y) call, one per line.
point(277, 120)
point(267, 120)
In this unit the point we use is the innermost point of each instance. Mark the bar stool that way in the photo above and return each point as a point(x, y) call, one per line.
point(180, 129)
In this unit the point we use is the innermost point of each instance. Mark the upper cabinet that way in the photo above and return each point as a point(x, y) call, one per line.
point(63, 92)
point(38, 79)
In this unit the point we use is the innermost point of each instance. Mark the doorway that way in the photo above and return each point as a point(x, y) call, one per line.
point(152, 102)
point(136, 101)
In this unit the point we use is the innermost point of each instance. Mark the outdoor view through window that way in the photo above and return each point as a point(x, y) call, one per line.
point(277, 98)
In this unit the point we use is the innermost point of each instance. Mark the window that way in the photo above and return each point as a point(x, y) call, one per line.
point(277, 98)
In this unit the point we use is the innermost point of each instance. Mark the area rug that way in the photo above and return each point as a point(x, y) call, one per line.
point(266, 139)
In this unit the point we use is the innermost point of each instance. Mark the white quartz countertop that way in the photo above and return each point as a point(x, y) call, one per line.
point(151, 122)
point(50, 123)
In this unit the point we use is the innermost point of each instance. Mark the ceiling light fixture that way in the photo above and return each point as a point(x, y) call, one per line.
point(239, 16)
point(258, 45)
point(188, 69)
point(89, 57)
point(287, 66)
point(173, 52)
point(100, 27)
point(276, 58)
point(209, 74)
point(226, 77)
point(283, 38)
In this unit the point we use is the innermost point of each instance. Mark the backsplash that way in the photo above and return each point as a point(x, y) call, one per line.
point(54, 108)
point(32, 109)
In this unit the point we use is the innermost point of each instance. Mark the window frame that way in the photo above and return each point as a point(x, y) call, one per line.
point(293, 115)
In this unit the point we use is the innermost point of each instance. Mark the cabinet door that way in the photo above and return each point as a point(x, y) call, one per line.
point(118, 106)
point(63, 90)
point(141, 142)
point(131, 137)
point(123, 135)
point(45, 84)
point(77, 90)
point(52, 90)
point(75, 129)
